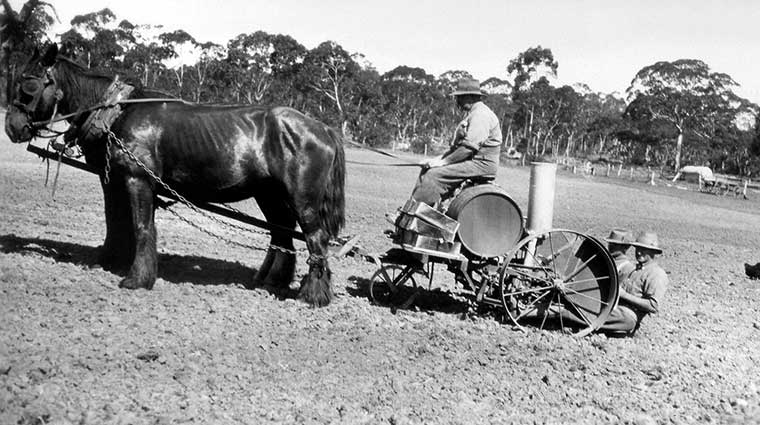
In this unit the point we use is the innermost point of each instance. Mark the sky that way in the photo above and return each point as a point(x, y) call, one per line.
point(601, 43)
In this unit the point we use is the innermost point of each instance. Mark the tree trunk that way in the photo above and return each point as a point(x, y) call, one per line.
point(529, 131)
point(543, 144)
point(569, 147)
point(679, 145)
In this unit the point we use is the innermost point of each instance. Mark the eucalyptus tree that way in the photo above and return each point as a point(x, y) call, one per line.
point(530, 66)
point(686, 96)
point(539, 110)
point(285, 60)
point(259, 61)
point(596, 123)
point(326, 71)
point(183, 51)
point(20, 32)
point(97, 41)
point(145, 58)
point(364, 105)
point(496, 85)
point(532, 115)
point(409, 95)
point(250, 72)
point(209, 56)
point(448, 80)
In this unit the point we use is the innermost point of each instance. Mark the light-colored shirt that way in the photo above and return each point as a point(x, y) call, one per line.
point(649, 282)
point(479, 128)
point(623, 264)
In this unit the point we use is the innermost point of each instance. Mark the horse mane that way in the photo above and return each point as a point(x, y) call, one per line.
point(81, 86)
point(85, 86)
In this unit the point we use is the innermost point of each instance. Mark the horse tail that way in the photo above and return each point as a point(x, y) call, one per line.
point(332, 212)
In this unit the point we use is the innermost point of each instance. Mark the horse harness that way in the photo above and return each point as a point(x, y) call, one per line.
point(34, 87)
point(98, 125)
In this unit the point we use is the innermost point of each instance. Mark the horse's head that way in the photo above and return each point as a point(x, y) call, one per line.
point(34, 97)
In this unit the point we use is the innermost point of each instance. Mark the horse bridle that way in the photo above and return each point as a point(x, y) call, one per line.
point(35, 86)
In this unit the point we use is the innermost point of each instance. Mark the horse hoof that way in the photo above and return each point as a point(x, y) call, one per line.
point(132, 283)
point(316, 295)
point(315, 300)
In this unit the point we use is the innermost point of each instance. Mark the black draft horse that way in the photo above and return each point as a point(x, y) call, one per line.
point(291, 164)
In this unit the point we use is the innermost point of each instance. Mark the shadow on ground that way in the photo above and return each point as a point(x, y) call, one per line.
point(171, 268)
point(433, 300)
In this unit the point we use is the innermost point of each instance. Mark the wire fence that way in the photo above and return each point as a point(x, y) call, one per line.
point(722, 184)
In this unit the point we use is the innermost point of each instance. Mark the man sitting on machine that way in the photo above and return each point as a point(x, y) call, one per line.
point(474, 151)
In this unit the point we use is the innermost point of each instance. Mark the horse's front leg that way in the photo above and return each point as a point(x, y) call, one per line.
point(315, 286)
point(142, 273)
point(118, 248)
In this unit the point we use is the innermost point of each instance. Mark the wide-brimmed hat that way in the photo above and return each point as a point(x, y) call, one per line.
point(620, 237)
point(648, 240)
point(468, 86)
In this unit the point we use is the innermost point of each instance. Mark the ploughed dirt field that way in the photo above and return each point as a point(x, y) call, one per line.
point(200, 348)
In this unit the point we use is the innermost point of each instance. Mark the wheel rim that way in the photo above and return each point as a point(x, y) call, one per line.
point(559, 279)
point(393, 285)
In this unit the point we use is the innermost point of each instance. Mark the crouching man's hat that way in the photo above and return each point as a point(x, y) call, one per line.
point(648, 240)
point(620, 237)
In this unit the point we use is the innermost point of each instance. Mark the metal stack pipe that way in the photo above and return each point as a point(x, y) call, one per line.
point(540, 203)
point(541, 196)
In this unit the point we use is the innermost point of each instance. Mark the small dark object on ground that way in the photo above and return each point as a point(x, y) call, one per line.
point(148, 356)
point(752, 271)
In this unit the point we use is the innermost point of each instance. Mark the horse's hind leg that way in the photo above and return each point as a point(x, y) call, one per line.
point(142, 273)
point(279, 266)
point(118, 248)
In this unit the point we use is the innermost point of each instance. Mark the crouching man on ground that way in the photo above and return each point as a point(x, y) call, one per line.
point(642, 290)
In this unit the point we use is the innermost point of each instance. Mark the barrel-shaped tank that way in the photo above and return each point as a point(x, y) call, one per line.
point(490, 222)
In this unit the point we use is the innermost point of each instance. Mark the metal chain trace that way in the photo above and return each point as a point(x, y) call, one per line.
point(112, 138)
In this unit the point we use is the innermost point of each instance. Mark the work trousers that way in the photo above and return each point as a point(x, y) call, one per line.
point(437, 181)
point(621, 319)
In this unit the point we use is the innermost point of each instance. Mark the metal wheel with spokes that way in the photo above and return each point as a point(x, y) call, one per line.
point(394, 285)
point(559, 279)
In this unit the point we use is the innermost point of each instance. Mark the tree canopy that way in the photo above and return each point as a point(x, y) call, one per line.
point(674, 112)
point(691, 101)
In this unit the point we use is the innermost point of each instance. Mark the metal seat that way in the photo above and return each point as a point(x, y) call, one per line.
point(446, 198)
point(481, 179)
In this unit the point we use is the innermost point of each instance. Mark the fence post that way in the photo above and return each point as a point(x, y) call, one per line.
point(573, 169)
point(651, 180)
point(620, 168)
point(700, 181)
point(609, 166)
point(631, 172)
point(744, 191)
